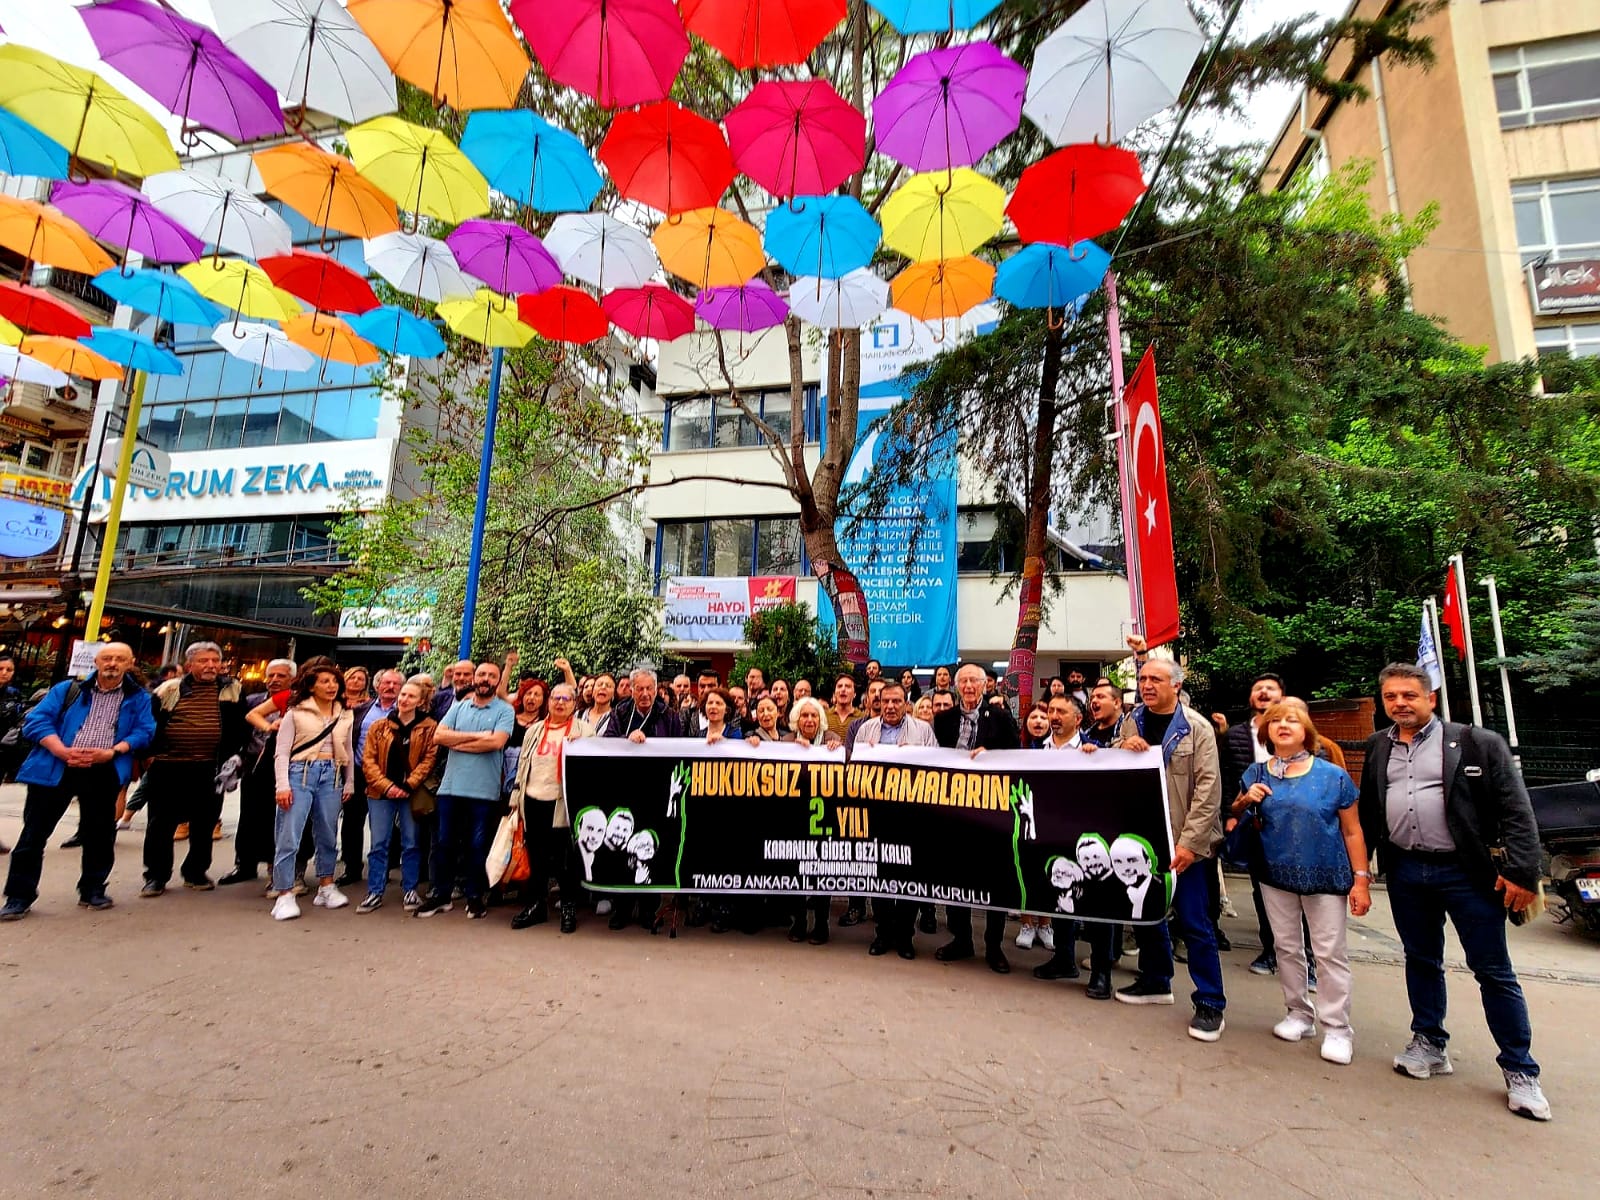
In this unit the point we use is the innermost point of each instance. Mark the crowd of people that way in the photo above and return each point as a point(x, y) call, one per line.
point(403, 773)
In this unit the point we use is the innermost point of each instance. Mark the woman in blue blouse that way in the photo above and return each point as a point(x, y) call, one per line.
point(1315, 866)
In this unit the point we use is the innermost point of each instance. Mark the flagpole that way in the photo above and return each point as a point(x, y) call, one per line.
point(1500, 653)
point(1432, 609)
point(1119, 406)
point(1466, 634)
point(480, 515)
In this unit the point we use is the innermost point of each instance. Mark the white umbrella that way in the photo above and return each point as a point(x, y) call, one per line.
point(313, 53)
point(267, 346)
point(848, 302)
point(602, 251)
point(220, 213)
point(1112, 65)
point(419, 266)
point(19, 368)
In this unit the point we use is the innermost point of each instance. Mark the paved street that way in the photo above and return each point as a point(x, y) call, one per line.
point(190, 1047)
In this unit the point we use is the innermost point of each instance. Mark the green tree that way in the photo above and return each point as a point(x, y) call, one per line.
point(787, 641)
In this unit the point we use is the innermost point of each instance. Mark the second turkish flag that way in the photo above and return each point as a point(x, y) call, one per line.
point(1151, 516)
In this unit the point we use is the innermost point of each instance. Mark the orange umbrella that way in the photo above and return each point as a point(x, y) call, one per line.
point(64, 354)
point(943, 288)
point(463, 53)
point(330, 339)
point(326, 190)
point(710, 247)
point(42, 235)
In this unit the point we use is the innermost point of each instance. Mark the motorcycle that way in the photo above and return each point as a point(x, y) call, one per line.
point(1568, 815)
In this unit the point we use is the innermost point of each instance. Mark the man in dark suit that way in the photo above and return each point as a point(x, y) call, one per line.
point(1449, 817)
point(975, 723)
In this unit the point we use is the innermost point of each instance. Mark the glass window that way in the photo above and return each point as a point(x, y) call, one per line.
point(1577, 341)
point(261, 421)
point(163, 427)
point(778, 546)
point(690, 428)
point(776, 411)
point(295, 424)
point(1545, 82)
point(195, 433)
point(333, 411)
point(683, 546)
point(238, 376)
point(1558, 218)
point(228, 426)
point(731, 548)
point(204, 373)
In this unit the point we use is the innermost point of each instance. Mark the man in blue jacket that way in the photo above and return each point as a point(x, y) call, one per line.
point(85, 735)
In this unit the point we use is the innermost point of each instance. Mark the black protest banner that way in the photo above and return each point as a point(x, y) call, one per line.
point(1057, 833)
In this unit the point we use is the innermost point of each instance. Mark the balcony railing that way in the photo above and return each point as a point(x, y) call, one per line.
point(207, 557)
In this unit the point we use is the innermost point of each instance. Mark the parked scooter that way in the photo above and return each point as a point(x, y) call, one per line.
point(1568, 815)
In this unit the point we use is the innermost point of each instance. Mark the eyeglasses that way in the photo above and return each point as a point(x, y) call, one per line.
point(560, 699)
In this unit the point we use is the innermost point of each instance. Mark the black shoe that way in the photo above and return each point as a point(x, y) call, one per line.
point(1060, 966)
point(797, 930)
point(906, 951)
point(152, 889)
point(1223, 944)
point(996, 959)
point(853, 916)
point(73, 842)
point(477, 910)
point(878, 948)
point(954, 951)
point(14, 910)
point(98, 901)
point(203, 884)
point(569, 918)
point(619, 917)
point(348, 879)
point(1099, 985)
point(1140, 992)
point(534, 914)
point(1207, 1024)
point(819, 935)
point(237, 875)
point(927, 922)
point(1264, 964)
point(433, 906)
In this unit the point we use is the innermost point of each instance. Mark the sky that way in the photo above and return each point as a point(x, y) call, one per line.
point(1270, 108)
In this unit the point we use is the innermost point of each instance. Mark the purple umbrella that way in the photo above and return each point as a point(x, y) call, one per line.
point(186, 67)
point(747, 308)
point(119, 216)
point(948, 108)
point(505, 256)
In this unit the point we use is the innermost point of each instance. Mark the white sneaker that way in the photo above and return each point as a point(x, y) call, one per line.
point(1338, 1046)
point(1047, 937)
point(329, 896)
point(286, 908)
point(1525, 1097)
point(1025, 938)
point(1294, 1027)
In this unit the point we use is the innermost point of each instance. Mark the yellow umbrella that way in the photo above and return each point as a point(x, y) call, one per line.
point(42, 235)
point(421, 169)
point(942, 214)
point(10, 335)
point(330, 339)
point(710, 247)
point(73, 357)
point(942, 290)
point(83, 112)
point(487, 318)
point(463, 53)
point(326, 190)
point(241, 286)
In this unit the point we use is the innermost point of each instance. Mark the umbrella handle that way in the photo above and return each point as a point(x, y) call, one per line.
point(1052, 321)
point(324, 378)
point(1073, 255)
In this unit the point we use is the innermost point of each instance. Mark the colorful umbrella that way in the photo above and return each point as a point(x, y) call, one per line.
point(1046, 276)
point(69, 355)
point(419, 266)
point(620, 52)
point(667, 157)
point(133, 351)
point(601, 250)
point(796, 138)
point(949, 107)
point(710, 247)
point(943, 214)
point(504, 255)
point(1111, 66)
point(941, 291)
point(564, 314)
point(420, 168)
point(651, 311)
point(164, 296)
point(828, 236)
point(463, 53)
point(330, 339)
point(42, 235)
point(1077, 192)
point(185, 66)
point(220, 213)
point(934, 16)
point(487, 318)
point(120, 216)
point(243, 287)
point(399, 332)
point(746, 308)
point(326, 190)
point(322, 282)
point(532, 161)
point(763, 33)
point(10, 335)
point(263, 345)
point(848, 302)
point(37, 311)
point(313, 53)
point(26, 151)
point(83, 112)
point(18, 368)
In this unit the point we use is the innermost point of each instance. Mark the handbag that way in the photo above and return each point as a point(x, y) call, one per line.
point(1242, 845)
point(500, 850)
point(520, 868)
point(423, 800)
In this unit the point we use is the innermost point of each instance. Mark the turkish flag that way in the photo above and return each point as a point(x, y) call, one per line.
point(1450, 613)
point(1152, 518)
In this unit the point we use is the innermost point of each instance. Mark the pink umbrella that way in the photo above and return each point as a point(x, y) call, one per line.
point(796, 138)
point(621, 52)
point(651, 311)
point(504, 255)
point(119, 216)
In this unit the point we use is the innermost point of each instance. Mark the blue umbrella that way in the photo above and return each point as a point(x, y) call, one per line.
point(534, 162)
point(26, 151)
point(165, 296)
point(1042, 275)
point(133, 350)
point(934, 16)
point(399, 332)
point(823, 236)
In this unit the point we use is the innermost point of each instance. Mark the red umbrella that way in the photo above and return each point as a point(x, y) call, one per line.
point(563, 314)
point(1078, 192)
point(620, 52)
point(667, 157)
point(763, 33)
point(322, 282)
point(651, 311)
point(37, 311)
point(797, 138)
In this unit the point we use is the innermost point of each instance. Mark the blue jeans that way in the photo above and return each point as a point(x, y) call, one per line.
point(381, 816)
point(315, 788)
point(1191, 918)
point(1422, 893)
point(461, 846)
